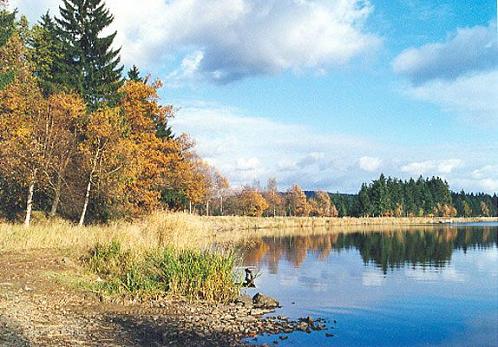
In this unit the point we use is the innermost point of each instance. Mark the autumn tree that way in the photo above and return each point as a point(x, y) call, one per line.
point(297, 204)
point(251, 202)
point(184, 185)
point(208, 177)
point(273, 197)
point(21, 108)
point(105, 152)
point(222, 186)
point(64, 115)
point(151, 154)
point(485, 210)
point(322, 206)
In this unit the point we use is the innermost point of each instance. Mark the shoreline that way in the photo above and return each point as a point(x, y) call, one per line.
point(247, 223)
point(35, 309)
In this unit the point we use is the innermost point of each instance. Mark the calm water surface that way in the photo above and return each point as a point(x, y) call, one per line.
point(413, 287)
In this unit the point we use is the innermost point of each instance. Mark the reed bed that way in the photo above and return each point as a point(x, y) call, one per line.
point(191, 274)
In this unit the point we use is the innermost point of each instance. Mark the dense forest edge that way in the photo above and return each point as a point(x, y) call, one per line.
point(83, 140)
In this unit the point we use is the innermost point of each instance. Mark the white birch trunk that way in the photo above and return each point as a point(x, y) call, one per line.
point(85, 205)
point(89, 188)
point(29, 205)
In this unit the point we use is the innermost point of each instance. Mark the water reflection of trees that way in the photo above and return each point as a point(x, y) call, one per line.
point(387, 250)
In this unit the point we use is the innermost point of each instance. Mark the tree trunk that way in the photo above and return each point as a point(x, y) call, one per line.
point(29, 205)
point(190, 207)
point(57, 197)
point(207, 208)
point(221, 205)
point(89, 188)
point(85, 205)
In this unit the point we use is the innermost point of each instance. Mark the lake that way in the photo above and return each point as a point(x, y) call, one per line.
point(427, 286)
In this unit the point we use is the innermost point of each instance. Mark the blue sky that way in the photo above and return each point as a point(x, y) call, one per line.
point(324, 93)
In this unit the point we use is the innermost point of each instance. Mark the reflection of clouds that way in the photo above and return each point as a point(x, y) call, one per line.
point(315, 284)
point(448, 274)
point(287, 280)
point(487, 259)
point(372, 279)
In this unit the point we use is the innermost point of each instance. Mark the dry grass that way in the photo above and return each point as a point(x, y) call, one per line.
point(182, 231)
point(158, 230)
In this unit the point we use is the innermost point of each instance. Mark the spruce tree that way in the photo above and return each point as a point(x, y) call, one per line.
point(46, 54)
point(6, 29)
point(134, 74)
point(90, 65)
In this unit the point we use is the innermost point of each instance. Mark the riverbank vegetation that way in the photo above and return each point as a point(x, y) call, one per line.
point(192, 274)
point(185, 231)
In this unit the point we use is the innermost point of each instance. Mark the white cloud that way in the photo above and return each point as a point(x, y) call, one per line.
point(225, 40)
point(485, 171)
point(431, 167)
point(418, 168)
point(489, 184)
point(459, 75)
point(246, 148)
point(188, 71)
point(468, 50)
point(369, 164)
point(473, 97)
point(250, 164)
point(447, 166)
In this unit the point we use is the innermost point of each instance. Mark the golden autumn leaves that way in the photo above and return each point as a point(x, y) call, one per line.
point(109, 162)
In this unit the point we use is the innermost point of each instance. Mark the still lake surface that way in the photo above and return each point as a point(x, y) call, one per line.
point(427, 286)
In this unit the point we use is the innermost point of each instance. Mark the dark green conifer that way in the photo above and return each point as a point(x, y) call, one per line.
point(134, 74)
point(46, 54)
point(7, 26)
point(90, 65)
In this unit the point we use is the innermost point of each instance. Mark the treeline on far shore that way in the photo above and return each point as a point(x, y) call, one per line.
point(424, 197)
point(383, 197)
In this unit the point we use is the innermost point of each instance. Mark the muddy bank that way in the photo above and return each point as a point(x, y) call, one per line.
point(35, 310)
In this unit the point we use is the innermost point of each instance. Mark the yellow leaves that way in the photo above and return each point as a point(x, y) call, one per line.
point(298, 204)
point(67, 107)
point(252, 203)
point(140, 103)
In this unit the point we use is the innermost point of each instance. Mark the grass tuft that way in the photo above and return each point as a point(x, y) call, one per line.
point(192, 274)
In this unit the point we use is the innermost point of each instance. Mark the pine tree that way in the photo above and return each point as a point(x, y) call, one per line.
point(90, 66)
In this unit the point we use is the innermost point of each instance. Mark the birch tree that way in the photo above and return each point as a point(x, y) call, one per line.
point(104, 152)
point(21, 107)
